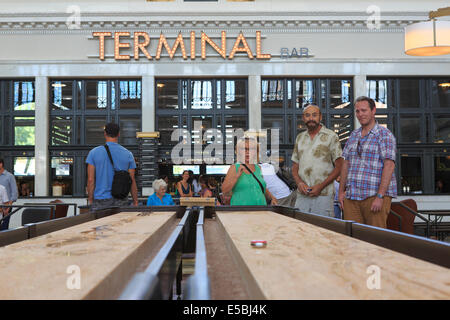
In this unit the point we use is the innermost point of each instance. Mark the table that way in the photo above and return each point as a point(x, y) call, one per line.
point(303, 261)
point(106, 252)
point(438, 216)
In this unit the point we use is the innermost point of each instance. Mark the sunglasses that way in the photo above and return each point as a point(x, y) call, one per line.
point(359, 148)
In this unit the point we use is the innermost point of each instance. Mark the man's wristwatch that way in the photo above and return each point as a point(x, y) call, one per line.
point(379, 195)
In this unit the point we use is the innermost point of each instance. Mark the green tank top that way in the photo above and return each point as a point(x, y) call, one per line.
point(246, 191)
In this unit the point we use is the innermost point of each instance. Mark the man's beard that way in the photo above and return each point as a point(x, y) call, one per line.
point(312, 125)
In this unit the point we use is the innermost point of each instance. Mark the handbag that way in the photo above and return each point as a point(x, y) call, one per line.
point(121, 185)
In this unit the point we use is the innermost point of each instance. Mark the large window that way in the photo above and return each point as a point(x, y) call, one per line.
point(17, 128)
point(284, 98)
point(417, 111)
point(218, 103)
point(79, 110)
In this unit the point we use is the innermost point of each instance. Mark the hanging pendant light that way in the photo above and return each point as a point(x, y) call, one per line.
point(429, 38)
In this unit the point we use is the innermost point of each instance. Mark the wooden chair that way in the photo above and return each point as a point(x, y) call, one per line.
point(402, 216)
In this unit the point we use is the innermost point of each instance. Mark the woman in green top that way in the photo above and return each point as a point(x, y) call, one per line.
point(246, 191)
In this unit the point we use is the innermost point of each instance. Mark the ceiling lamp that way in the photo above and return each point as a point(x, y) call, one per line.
point(429, 38)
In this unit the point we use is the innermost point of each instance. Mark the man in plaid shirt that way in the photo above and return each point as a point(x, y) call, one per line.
point(367, 178)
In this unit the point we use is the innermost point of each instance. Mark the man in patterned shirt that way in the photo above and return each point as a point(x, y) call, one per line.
point(316, 163)
point(367, 179)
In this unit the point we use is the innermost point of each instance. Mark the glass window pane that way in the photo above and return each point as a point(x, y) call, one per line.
point(442, 173)
point(219, 94)
point(300, 126)
point(206, 122)
point(306, 93)
point(129, 126)
point(166, 125)
point(62, 173)
point(272, 93)
point(273, 122)
point(24, 166)
point(167, 94)
point(441, 93)
point(62, 166)
point(411, 175)
point(377, 90)
point(342, 126)
point(233, 123)
point(24, 131)
point(62, 95)
point(94, 130)
point(61, 131)
point(410, 129)
point(442, 129)
point(235, 94)
point(96, 95)
point(130, 94)
point(340, 94)
point(201, 94)
point(382, 120)
point(23, 96)
point(409, 93)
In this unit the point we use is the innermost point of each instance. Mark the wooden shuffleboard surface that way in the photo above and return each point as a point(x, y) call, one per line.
point(105, 253)
point(303, 261)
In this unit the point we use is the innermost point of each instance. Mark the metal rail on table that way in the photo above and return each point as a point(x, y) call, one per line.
point(198, 285)
point(156, 282)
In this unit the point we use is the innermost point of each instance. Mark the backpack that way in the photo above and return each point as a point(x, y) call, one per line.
point(121, 185)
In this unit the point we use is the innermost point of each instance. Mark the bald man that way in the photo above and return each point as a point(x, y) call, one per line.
point(317, 162)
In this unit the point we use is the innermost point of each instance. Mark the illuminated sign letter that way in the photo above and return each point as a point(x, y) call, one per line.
point(260, 55)
point(221, 51)
point(179, 41)
point(118, 45)
point(236, 47)
point(192, 45)
point(141, 45)
point(101, 36)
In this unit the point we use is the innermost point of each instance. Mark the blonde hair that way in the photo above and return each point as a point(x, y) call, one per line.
point(248, 140)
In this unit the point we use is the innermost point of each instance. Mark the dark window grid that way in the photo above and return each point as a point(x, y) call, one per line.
point(296, 114)
point(8, 102)
point(80, 106)
point(424, 101)
point(398, 169)
point(80, 112)
point(9, 113)
point(218, 114)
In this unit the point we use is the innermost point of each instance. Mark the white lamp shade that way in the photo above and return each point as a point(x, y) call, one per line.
point(430, 38)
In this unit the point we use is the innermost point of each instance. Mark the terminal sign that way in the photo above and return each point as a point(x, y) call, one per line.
point(141, 41)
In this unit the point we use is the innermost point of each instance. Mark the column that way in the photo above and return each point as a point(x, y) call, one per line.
point(148, 104)
point(359, 89)
point(254, 102)
point(42, 172)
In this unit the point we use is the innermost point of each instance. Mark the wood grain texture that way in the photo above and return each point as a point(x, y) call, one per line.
point(302, 261)
point(106, 250)
point(197, 201)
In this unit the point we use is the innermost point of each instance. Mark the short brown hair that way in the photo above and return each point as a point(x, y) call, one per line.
point(370, 101)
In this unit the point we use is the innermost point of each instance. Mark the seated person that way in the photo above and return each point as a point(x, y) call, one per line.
point(205, 191)
point(184, 188)
point(160, 197)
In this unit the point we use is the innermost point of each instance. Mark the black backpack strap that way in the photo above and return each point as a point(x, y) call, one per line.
point(109, 155)
point(260, 184)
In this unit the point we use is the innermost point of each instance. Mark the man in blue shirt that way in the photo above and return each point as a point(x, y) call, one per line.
point(101, 172)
